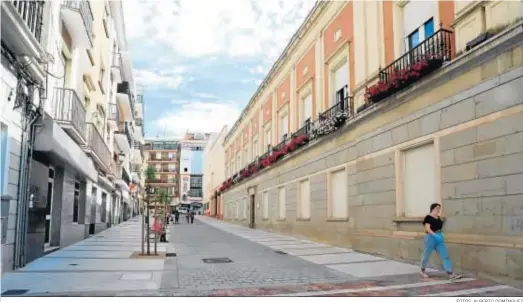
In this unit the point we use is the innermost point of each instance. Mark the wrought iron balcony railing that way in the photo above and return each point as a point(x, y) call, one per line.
point(161, 181)
point(343, 105)
point(32, 14)
point(163, 158)
point(166, 170)
point(70, 109)
point(168, 145)
point(128, 134)
point(424, 58)
point(84, 8)
point(97, 144)
point(305, 130)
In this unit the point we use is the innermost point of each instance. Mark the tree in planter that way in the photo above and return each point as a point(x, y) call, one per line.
point(150, 175)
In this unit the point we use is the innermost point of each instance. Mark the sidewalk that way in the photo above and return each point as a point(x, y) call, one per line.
point(97, 264)
point(257, 263)
point(370, 275)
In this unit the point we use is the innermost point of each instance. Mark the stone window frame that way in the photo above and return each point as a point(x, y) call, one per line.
point(303, 93)
point(245, 207)
point(336, 60)
point(330, 213)
point(280, 218)
point(299, 199)
point(255, 151)
point(267, 128)
point(283, 112)
point(399, 162)
point(246, 159)
point(263, 205)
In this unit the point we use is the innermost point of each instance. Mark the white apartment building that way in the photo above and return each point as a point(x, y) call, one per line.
point(191, 170)
point(74, 148)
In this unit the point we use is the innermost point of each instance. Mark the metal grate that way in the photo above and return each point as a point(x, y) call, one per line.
point(73, 264)
point(14, 292)
point(170, 254)
point(281, 252)
point(217, 260)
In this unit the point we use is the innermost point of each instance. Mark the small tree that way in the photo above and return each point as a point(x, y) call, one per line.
point(150, 175)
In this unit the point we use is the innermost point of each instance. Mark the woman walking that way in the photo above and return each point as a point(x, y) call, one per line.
point(434, 241)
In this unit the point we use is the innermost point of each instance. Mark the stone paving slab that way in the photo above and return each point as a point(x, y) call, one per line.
point(315, 251)
point(67, 264)
point(376, 269)
point(90, 254)
point(341, 258)
point(55, 282)
point(297, 246)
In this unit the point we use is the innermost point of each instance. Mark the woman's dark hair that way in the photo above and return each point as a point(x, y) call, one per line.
point(433, 206)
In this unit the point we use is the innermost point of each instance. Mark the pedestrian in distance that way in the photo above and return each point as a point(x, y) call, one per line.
point(192, 217)
point(187, 215)
point(434, 240)
point(176, 216)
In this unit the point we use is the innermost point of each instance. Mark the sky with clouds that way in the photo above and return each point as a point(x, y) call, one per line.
point(200, 61)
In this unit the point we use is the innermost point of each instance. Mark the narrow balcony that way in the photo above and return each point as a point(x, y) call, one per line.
point(97, 149)
point(124, 138)
point(123, 174)
point(414, 65)
point(162, 181)
point(21, 31)
point(166, 170)
point(137, 145)
point(116, 67)
point(69, 112)
point(124, 97)
point(162, 159)
point(31, 14)
point(78, 19)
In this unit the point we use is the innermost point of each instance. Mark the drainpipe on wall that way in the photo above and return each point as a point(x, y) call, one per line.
point(25, 198)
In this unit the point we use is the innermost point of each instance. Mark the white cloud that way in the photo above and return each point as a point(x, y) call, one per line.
point(198, 116)
point(153, 78)
point(226, 27)
point(204, 95)
point(260, 69)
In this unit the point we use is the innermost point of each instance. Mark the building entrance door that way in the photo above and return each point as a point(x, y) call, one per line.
point(252, 208)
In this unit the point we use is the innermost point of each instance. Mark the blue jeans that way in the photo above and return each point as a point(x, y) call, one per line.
point(433, 243)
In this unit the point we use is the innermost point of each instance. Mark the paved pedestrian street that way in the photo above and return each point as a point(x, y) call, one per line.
point(250, 263)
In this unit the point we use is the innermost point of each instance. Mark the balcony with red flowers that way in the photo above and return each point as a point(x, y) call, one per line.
point(417, 63)
point(328, 121)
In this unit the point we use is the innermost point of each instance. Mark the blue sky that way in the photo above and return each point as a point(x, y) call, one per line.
point(200, 61)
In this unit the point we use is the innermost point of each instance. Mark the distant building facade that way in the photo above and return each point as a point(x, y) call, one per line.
point(214, 173)
point(191, 170)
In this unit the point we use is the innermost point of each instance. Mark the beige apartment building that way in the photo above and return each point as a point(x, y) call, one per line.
point(163, 156)
point(214, 173)
point(375, 110)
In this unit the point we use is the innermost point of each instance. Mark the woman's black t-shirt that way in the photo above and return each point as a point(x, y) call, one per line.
point(436, 224)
